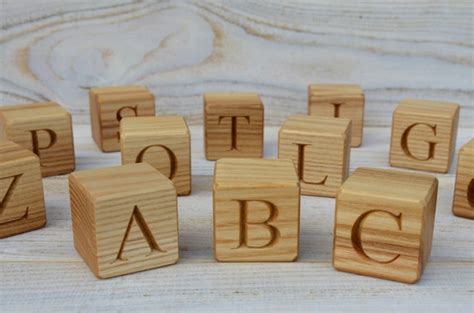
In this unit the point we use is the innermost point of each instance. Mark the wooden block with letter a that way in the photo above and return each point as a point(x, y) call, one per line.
point(233, 125)
point(124, 219)
point(463, 204)
point(256, 210)
point(339, 100)
point(162, 141)
point(424, 135)
point(384, 224)
point(320, 148)
point(109, 105)
point(45, 129)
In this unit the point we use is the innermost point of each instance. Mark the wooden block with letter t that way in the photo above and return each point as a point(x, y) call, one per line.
point(256, 210)
point(384, 224)
point(124, 219)
point(463, 204)
point(233, 125)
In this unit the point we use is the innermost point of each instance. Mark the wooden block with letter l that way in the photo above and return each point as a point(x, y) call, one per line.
point(384, 224)
point(256, 210)
point(463, 204)
point(124, 219)
point(320, 148)
point(233, 125)
point(45, 129)
point(109, 105)
point(424, 135)
point(162, 141)
point(339, 100)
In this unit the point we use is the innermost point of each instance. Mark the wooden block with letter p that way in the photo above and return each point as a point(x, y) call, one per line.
point(384, 224)
point(256, 210)
point(124, 219)
point(463, 204)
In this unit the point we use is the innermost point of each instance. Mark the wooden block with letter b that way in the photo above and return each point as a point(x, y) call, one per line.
point(256, 210)
point(384, 224)
point(463, 204)
point(124, 219)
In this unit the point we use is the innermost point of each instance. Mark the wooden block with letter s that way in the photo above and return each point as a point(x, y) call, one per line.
point(463, 204)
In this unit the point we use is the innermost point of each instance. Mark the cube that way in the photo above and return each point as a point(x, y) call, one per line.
point(384, 224)
point(124, 219)
point(463, 204)
point(256, 210)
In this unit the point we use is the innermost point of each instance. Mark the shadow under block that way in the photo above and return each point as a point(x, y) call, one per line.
point(256, 210)
point(320, 147)
point(339, 100)
point(164, 142)
point(424, 135)
point(109, 105)
point(21, 190)
point(384, 224)
point(124, 219)
point(463, 204)
point(233, 125)
point(45, 129)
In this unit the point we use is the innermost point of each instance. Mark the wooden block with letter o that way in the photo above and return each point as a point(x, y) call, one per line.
point(124, 219)
point(424, 135)
point(45, 129)
point(384, 224)
point(256, 210)
point(463, 204)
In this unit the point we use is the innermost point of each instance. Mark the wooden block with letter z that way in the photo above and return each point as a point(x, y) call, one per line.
point(463, 204)
point(384, 224)
point(233, 125)
point(256, 210)
point(124, 219)
point(45, 129)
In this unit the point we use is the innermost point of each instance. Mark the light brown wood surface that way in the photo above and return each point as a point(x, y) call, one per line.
point(463, 202)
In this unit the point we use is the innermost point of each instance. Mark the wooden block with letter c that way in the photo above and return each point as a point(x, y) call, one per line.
point(463, 203)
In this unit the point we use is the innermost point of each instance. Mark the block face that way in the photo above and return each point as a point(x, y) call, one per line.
point(424, 135)
point(124, 219)
point(339, 100)
point(109, 105)
point(256, 210)
point(463, 204)
point(164, 142)
point(45, 129)
point(21, 190)
point(233, 125)
point(384, 224)
point(320, 148)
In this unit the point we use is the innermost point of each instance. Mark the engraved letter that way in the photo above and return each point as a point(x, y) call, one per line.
point(404, 142)
point(233, 128)
point(470, 193)
point(337, 108)
point(172, 158)
point(119, 115)
point(35, 140)
point(6, 198)
point(301, 157)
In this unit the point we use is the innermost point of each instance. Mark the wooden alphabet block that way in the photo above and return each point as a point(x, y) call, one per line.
point(424, 135)
point(109, 105)
point(320, 147)
point(384, 224)
point(164, 142)
point(21, 190)
point(45, 129)
point(124, 219)
point(339, 100)
point(256, 210)
point(233, 125)
point(463, 204)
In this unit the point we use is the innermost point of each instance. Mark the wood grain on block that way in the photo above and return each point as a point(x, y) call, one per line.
point(320, 147)
point(384, 224)
point(463, 204)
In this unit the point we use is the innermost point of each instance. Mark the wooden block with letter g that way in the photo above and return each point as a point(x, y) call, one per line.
point(233, 125)
point(109, 105)
point(162, 141)
point(320, 148)
point(463, 204)
point(384, 224)
point(45, 129)
point(256, 210)
point(124, 219)
point(424, 135)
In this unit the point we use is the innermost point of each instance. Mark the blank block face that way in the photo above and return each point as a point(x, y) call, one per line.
point(320, 147)
point(124, 219)
point(109, 105)
point(21, 190)
point(424, 135)
point(256, 210)
point(164, 142)
point(384, 224)
point(463, 204)
point(45, 129)
point(339, 100)
point(233, 126)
